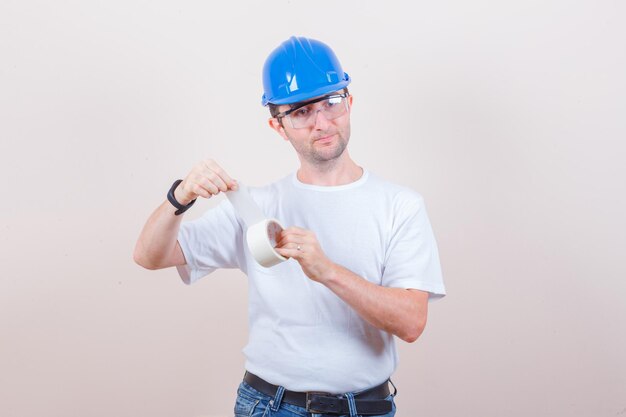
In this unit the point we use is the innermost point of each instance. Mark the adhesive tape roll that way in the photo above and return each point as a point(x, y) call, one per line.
point(262, 238)
point(262, 234)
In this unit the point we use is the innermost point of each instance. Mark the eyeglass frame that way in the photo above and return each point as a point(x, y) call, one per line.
point(286, 113)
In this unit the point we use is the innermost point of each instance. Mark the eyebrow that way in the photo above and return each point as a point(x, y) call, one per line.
point(299, 105)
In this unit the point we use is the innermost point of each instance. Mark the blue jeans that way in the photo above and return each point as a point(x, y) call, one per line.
point(252, 403)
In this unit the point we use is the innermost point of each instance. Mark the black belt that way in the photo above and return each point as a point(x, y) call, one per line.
point(369, 402)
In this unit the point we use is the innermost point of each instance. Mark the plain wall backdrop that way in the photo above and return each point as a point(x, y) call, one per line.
point(508, 117)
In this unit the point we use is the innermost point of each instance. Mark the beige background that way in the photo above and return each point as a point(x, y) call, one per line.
point(507, 116)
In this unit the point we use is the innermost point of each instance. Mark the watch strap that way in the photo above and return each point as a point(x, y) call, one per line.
point(170, 197)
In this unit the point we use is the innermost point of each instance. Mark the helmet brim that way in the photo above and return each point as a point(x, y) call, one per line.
point(307, 95)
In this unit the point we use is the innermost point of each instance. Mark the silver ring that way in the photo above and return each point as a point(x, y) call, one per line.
point(299, 248)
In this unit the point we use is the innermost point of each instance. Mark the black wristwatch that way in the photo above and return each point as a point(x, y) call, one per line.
point(175, 203)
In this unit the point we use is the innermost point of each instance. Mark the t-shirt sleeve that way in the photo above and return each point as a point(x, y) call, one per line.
point(212, 241)
point(412, 258)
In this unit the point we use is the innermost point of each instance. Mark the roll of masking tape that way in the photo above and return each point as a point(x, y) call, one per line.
point(262, 234)
point(262, 238)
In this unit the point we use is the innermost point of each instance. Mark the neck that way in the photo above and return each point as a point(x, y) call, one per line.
point(330, 173)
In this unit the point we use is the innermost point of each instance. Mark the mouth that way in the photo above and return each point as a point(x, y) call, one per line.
point(324, 139)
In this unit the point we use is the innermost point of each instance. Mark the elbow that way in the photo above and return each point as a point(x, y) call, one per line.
point(416, 317)
point(414, 331)
point(142, 261)
point(411, 337)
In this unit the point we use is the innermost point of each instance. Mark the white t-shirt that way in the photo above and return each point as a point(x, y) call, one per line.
point(303, 336)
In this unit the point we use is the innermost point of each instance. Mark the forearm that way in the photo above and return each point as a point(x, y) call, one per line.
point(157, 241)
point(156, 246)
point(395, 310)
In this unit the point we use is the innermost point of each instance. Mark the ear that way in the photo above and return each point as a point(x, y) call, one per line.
point(278, 127)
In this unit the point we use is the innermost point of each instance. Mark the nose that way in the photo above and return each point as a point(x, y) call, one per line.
point(321, 122)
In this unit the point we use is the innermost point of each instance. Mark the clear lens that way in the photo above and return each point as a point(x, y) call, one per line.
point(331, 107)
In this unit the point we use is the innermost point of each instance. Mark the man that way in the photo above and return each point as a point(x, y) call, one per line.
point(362, 265)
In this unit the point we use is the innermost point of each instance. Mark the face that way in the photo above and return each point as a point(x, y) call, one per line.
point(321, 143)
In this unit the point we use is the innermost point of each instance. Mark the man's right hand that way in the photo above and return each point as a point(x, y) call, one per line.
point(206, 179)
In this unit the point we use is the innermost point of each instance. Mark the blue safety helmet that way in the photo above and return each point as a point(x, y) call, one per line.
point(300, 69)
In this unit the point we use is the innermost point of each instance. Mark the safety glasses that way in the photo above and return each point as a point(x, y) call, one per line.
point(304, 114)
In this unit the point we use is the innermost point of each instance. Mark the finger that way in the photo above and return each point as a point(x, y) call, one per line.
point(289, 253)
point(297, 230)
point(308, 237)
point(215, 179)
point(206, 184)
point(290, 245)
point(293, 232)
point(201, 191)
point(214, 166)
point(191, 188)
point(284, 239)
point(184, 193)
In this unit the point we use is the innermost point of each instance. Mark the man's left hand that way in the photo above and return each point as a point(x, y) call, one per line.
point(302, 245)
